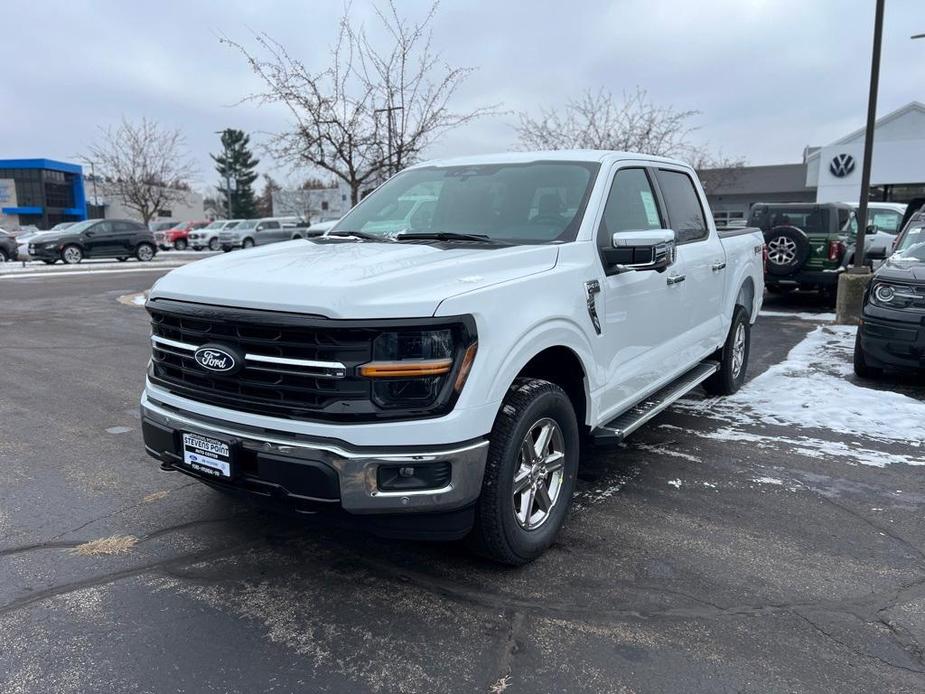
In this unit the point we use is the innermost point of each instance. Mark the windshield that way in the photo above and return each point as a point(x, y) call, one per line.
point(216, 225)
point(537, 202)
point(82, 226)
point(912, 244)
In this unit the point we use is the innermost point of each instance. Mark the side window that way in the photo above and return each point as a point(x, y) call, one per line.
point(885, 220)
point(102, 228)
point(123, 227)
point(684, 211)
point(631, 206)
point(271, 225)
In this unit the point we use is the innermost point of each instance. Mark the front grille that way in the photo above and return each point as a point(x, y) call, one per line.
point(303, 387)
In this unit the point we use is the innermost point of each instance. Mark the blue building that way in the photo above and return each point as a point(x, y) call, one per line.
point(40, 192)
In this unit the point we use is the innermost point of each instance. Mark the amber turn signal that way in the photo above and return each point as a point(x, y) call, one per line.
point(406, 369)
point(468, 358)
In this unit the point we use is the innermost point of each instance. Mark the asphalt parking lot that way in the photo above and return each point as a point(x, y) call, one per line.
point(722, 549)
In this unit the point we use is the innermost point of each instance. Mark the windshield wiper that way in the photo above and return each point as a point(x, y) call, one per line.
point(443, 236)
point(355, 234)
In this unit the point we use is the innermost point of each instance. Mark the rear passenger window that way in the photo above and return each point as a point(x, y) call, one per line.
point(684, 211)
point(630, 206)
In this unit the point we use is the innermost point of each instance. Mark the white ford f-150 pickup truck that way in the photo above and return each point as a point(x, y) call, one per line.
point(435, 373)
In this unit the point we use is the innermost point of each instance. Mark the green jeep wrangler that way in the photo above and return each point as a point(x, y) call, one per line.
point(808, 244)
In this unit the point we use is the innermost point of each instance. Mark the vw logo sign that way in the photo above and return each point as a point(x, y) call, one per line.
point(841, 165)
point(219, 359)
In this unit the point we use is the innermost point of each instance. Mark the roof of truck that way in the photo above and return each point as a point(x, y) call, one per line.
point(583, 155)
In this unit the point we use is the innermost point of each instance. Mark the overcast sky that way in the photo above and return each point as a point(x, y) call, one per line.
point(768, 76)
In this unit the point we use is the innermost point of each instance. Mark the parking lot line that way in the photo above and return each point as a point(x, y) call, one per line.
point(25, 275)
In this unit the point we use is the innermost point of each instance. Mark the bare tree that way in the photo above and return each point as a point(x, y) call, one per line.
point(633, 123)
point(372, 110)
point(147, 165)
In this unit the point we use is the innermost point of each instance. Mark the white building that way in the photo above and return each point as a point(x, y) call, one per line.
point(313, 204)
point(104, 201)
point(832, 173)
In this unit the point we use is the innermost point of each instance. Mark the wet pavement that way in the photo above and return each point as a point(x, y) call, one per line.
point(716, 551)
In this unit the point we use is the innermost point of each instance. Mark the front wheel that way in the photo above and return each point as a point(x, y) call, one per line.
point(733, 357)
point(72, 255)
point(144, 252)
point(861, 368)
point(3, 256)
point(213, 244)
point(247, 243)
point(179, 245)
point(529, 474)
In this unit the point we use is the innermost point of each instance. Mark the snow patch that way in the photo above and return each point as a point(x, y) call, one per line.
point(768, 480)
point(810, 389)
point(675, 483)
point(663, 450)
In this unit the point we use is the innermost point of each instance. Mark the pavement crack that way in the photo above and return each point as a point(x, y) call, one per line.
point(507, 652)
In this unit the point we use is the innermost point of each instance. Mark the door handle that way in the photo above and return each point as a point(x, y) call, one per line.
point(719, 265)
point(676, 279)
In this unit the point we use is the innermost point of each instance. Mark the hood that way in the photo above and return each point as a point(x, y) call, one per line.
point(351, 279)
point(902, 269)
point(50, 236)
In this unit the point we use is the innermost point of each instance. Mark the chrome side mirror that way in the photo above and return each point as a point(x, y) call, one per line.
point(652, 249)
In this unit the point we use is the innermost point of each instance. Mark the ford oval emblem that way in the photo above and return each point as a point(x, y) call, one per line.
point(219, 359)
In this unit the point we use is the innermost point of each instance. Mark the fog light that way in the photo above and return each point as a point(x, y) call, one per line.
point(411, 477)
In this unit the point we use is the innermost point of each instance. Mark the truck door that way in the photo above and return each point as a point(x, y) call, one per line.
point(701, 262)
point(639, 310)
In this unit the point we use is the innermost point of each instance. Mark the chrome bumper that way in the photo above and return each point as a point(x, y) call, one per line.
point(356, 468)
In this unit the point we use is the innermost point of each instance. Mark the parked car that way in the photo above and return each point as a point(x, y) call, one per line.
point(258, 232)
point(437, 381)
point(884, 221)
point(95, 238)
point(208, 236)
point(177, 237)
point(321, 228)
point(8, 248)
point(162, 225)
point(809, 244)
point(23, 241)
point(890, 335)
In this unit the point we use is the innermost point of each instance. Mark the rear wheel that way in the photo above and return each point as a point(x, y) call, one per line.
point(72, 255)
point(180, 245)
point(529, 475)
point(144, 252)
point(733, 357)
point(861, 369)
point(3, 256)
point(213, 243)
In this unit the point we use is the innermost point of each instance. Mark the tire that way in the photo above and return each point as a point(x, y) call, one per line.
point(49, 262)
point(861, 369)
point(72, 254)
point(247, 243)
point(733, 357)
point(122, 258)
point(3, 256)
point(296, 237)
point(788, 249)
point(180, 245)
point(500, 533)
point(213, 243)
point(144, 252)
point(226, 249)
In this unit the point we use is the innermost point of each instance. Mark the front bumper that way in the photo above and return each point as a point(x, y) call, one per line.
point(310, 474)
point(51, 253)
point(893, 338)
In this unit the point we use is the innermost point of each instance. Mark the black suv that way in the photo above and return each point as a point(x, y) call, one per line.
point(890, 334)
point(95, 238)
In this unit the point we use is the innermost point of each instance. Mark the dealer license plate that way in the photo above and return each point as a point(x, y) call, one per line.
point(207, 455)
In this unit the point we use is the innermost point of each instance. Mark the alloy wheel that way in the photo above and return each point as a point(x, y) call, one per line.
point(145, 253)
point(738, 350)
point(72, 255)
point(782, 250)
point(539, 475)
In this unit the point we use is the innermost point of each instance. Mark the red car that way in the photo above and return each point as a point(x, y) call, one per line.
point(177, 237)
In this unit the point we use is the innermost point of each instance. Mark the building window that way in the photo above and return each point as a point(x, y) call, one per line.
point(165, 213)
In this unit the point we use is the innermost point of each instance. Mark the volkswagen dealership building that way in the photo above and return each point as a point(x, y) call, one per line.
point(831, 173)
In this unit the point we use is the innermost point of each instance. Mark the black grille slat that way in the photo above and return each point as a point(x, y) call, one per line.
point(283, 390)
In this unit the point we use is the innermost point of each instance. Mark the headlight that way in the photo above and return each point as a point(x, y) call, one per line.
point(893, 295)
point(418, 368)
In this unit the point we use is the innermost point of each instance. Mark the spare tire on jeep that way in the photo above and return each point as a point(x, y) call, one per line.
point(788, 248)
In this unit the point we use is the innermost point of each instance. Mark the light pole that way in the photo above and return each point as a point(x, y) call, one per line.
point(859, 266)
point(388, 111)
point(853, 283)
